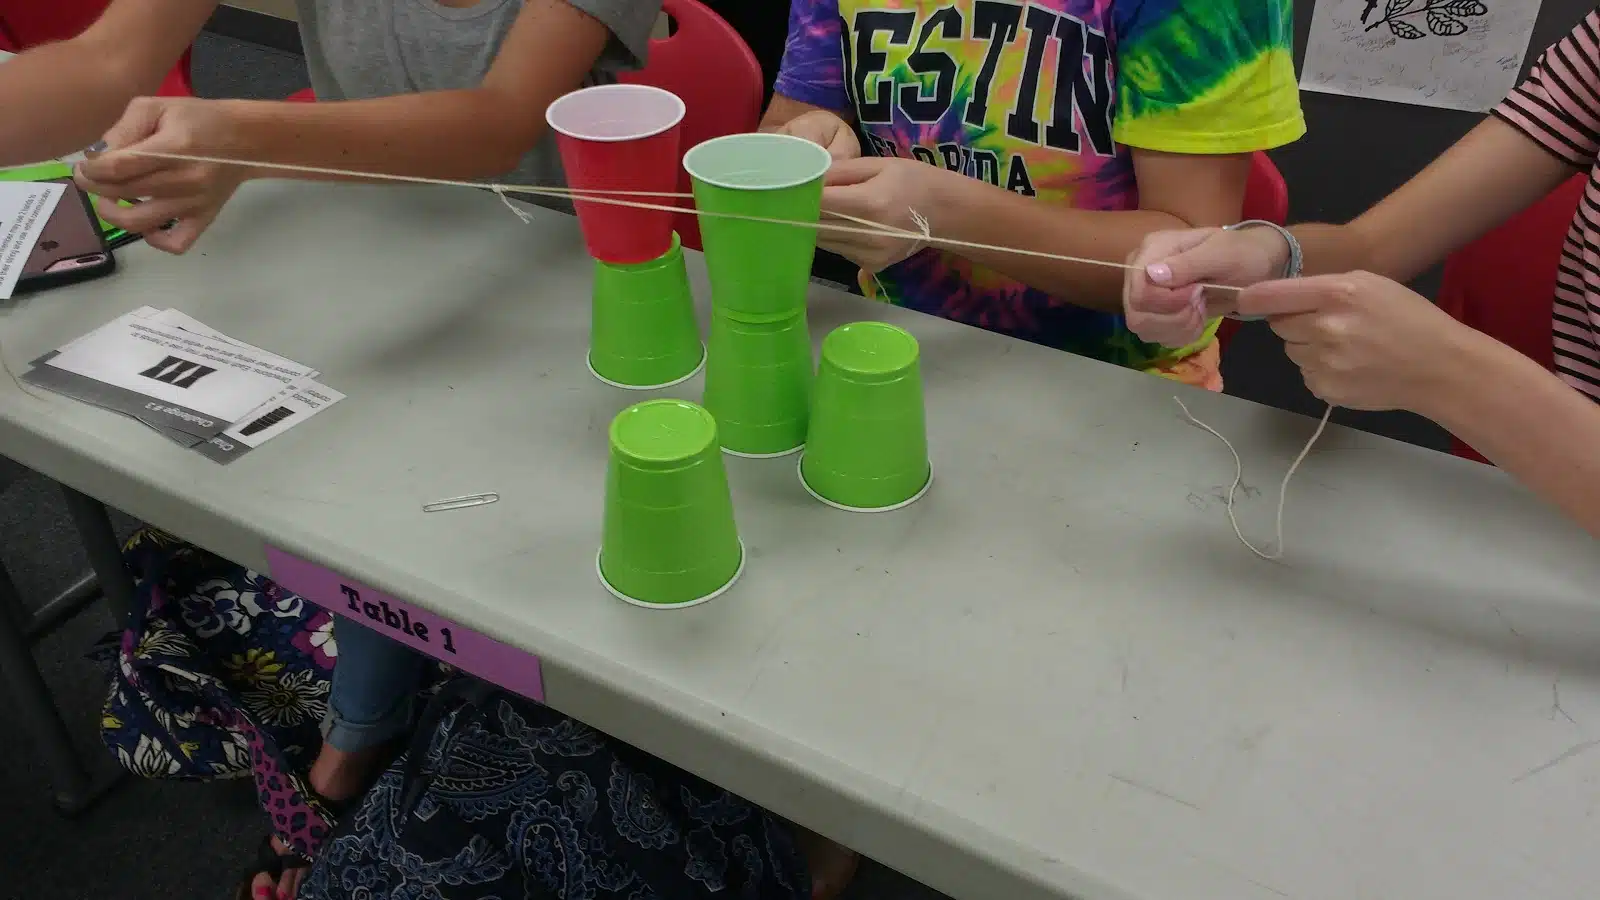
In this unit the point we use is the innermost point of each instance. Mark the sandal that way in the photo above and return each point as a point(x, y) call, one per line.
point(271, 863)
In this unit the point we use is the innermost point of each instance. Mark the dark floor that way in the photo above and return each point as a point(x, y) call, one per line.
point(187, 842)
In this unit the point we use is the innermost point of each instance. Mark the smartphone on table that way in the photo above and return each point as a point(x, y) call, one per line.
point(71, 247)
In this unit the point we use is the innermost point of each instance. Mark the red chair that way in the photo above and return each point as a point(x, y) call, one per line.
point(1266, 197)
point(1503, 284)
point(29, 23)
point(705, 62)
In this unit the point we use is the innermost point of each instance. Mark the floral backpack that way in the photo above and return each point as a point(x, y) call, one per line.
point(221, 674)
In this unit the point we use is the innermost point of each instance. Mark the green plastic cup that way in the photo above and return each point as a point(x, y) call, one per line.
point(758, 384)
point(759, 271)
point(668, 539)
point(867, 450)
point(642, 332)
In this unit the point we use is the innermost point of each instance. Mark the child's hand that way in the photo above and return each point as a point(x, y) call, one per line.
point(884, 191)
point(1363, 341)
point(1161, 297)
point(827, 131)
point(192, 193)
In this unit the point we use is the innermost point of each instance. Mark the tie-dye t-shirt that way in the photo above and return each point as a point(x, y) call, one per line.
point(1045, 99)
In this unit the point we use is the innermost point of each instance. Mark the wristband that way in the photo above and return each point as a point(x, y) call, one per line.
point(1291, 268)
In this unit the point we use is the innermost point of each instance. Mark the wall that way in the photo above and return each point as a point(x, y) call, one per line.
point(1355, 152)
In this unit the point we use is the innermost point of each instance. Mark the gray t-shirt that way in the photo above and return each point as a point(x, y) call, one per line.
point(365, 49)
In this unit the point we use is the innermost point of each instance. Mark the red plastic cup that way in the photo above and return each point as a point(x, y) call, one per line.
point(621, 137)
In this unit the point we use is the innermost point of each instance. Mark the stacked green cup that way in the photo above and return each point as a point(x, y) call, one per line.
point(669, 538)
point(868, 446)
point(642, 332)
point(759, 366)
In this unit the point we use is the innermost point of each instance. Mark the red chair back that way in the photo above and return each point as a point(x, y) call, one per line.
point(707, 64)
point(1503, 284)
point(1266, 197)
point(29, 23)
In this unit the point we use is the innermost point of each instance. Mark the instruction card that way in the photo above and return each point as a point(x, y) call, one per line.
point(25, 208)
point(197, 377)
point(190, 383)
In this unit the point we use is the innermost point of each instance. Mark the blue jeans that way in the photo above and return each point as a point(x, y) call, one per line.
point(375, 682)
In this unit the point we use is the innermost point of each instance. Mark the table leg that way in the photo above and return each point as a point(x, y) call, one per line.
point(74, 789)
point(105, 553)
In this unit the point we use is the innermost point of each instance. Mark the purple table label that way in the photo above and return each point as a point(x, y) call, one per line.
point(420, 630)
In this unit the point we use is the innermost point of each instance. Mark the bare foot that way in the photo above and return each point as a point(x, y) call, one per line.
point(832, 865)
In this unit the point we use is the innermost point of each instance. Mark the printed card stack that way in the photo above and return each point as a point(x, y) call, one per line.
point(192, 384)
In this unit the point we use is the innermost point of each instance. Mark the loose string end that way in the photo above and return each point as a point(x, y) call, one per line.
point(1238, 477)
point(500, 191)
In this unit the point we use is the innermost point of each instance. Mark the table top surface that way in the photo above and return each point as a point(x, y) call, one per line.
point(1059, 674)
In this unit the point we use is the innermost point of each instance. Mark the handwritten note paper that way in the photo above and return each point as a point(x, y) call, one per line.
point(1452, 54)
point(418, 629)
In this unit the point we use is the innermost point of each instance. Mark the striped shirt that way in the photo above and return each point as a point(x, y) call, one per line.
point(1558, 107)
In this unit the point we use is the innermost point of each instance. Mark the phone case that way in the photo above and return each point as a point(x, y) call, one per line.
point(69, 239)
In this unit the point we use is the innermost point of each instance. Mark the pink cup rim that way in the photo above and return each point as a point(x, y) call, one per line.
point(588, 93)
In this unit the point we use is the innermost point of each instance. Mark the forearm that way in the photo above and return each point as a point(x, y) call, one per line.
point(976, 211)
point(68, 95)
point(440, 134)
point(1481, 181)
point(1527, 421)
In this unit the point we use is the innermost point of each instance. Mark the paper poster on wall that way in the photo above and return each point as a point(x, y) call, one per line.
point(1452, 54)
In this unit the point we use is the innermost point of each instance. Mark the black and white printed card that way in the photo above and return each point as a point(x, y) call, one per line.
point(144, 357)
point(178, 379)
point(300, 402)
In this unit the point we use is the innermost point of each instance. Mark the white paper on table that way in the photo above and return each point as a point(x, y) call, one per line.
point(1451, 54)
point(216, 379)
point(143, 312)
point(183, 321)
point(25, 208)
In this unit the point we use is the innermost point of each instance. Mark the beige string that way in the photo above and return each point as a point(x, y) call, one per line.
point(1238, 476)
point(611, 198)
point(923, 236)
point(21, 386)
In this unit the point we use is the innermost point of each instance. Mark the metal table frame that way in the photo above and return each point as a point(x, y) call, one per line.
point(73, 780)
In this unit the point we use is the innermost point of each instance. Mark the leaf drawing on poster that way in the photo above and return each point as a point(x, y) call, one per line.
point(1455, 54)
point(1444, 19)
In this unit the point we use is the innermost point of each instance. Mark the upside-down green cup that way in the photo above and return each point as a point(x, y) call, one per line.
point(642, 332)
point(668, 538)
point(759, 271)
point(758, 384)
point(867, 450)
